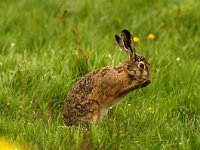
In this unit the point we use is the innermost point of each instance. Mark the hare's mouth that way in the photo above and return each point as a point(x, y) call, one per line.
point(146, 83)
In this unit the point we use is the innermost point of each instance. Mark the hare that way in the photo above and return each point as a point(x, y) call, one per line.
point(91, 97)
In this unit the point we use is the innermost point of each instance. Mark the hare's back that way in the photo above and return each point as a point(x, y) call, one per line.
point(82, 88)
point(97, 83)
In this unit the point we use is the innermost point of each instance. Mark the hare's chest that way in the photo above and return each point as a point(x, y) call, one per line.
point(104, 112)
point(105, 109)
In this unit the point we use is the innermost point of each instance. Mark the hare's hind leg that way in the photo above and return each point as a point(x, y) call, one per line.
point(88, 111)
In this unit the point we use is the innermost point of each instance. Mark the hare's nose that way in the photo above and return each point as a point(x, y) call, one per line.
point(149, 81)
point(146, 83)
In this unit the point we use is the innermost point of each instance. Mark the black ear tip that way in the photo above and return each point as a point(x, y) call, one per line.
point(126, 32)
point(117, 38)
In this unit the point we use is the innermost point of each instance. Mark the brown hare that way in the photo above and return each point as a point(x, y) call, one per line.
point(91, 97)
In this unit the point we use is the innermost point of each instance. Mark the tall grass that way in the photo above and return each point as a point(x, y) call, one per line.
point(46, 46)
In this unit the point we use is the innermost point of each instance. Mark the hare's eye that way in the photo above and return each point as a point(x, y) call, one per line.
point(141, 65)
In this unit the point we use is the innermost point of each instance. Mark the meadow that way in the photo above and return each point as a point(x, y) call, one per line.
point(46, 46)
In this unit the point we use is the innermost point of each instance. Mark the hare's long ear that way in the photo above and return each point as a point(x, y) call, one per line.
point(121, 43)
point(126, 43)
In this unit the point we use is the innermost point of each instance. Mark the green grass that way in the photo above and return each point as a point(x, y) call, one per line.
point(43, 51)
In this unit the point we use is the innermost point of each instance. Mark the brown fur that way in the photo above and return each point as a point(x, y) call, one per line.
point(91, 96)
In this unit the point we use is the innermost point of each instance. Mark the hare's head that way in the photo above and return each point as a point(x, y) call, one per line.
point(136, 66)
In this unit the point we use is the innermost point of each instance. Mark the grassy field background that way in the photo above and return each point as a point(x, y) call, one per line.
point(45, 46)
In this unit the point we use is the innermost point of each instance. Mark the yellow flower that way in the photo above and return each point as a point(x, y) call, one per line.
point(9, 145)
point(12, 45)
point(177, 59)
point(129, 105)
point(136, 39)
point(151, 110)
point(151, 36)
